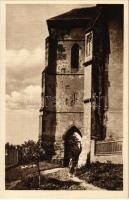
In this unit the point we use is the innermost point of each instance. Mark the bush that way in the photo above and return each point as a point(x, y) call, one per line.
point(32, 152)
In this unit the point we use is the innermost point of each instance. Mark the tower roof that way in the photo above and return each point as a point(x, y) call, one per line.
point(83, 17)
point(79, 13)
point(77, 17)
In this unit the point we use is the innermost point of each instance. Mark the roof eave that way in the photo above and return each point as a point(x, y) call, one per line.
point(67, 23)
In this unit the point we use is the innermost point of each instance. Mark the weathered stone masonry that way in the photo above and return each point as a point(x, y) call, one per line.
point(76, 92)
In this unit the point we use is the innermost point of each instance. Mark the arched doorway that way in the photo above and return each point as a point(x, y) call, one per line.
point(66, 138)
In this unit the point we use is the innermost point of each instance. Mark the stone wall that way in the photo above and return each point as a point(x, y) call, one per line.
point(115, 78)
point(113, 158)
point(64, 56)
point(64, 89)
point(69, 93)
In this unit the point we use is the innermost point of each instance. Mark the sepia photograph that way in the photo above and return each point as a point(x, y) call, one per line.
point(64, 92)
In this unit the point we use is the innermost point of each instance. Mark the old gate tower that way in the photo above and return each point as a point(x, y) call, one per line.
point(75, 81)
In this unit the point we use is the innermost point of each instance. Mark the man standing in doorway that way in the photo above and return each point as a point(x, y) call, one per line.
point(75, 148)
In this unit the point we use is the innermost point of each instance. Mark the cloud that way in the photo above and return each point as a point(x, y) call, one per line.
point(28, 99)
point(23, 68)
point(24, 58)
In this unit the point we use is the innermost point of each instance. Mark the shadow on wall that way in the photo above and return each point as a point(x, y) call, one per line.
point(49, 116)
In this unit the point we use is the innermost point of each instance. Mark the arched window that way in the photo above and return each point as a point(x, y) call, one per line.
point(75, 56)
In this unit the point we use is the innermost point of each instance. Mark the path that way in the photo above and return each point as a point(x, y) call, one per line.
point(57, 179)
point(62, 175)
point(12, 184)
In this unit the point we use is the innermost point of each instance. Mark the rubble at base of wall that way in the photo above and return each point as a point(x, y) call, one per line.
point(59, 152)
point(54, 149)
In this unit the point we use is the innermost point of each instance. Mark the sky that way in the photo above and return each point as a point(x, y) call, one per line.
point(26, 30)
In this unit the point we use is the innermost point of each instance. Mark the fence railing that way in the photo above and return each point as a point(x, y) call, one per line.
point(11, 157)
point(108, 147)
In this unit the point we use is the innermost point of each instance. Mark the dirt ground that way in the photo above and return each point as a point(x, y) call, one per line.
point(18, 174)
point(95, 177)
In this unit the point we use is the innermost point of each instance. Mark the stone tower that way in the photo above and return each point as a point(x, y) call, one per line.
point(63, 79)
point(80, 89)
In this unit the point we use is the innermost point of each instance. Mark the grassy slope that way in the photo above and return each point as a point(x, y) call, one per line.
point(17, 173)
point(108, 176)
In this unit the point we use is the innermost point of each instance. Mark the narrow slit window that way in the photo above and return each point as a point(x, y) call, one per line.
point(75, 56)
